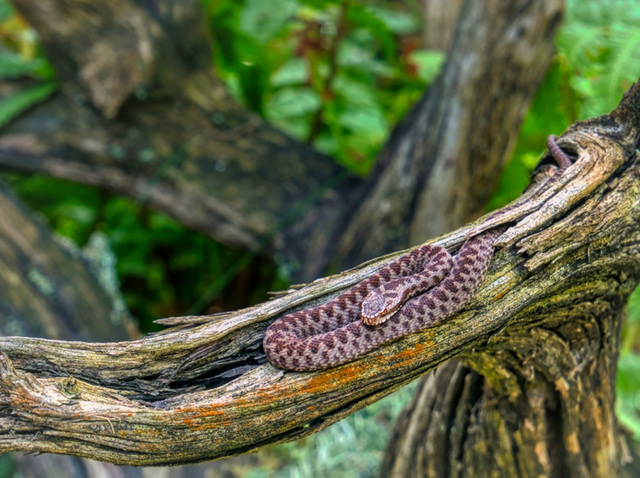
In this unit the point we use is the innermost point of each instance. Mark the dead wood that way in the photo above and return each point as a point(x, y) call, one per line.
point(551, 304)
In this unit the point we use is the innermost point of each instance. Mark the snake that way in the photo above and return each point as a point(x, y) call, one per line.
point(416, 291)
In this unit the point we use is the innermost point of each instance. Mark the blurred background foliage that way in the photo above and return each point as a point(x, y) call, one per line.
point(338, 75)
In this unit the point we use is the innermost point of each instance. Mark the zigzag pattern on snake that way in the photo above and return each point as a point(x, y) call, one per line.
point(333, 333)
point(380, 308)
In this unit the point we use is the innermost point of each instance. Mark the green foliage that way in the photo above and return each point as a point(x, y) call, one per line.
point(164, 269)
point(598, 59)
point(14, 65)
point(14, 105)
point(338, 75)
point(264, 20)
point(600, 46)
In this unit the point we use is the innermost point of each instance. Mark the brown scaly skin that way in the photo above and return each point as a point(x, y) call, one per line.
point(333, 333)
point(384, 307)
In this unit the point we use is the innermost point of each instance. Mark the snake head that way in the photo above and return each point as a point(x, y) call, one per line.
point(379, 306)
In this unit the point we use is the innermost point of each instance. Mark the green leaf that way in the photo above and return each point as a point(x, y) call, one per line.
point(367, 123)
point(292, 72)
point(5, 10)
point(14, 66)
point(264, 19)
point(16, 104)
point(287, 106)
point(428, 62)
point(600, 44)
point(352, 54)
point(357, 93)
point(293, 102)
point(399, 22)
point(371, 29)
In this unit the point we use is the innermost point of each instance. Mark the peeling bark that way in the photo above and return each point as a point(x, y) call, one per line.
point(543, 331)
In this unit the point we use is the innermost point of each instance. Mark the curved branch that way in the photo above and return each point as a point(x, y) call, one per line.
point(571, 259)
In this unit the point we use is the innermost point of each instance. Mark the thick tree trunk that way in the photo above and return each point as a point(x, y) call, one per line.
point(534, 408)
point(543, 331)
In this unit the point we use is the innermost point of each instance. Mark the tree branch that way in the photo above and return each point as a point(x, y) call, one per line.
point(571, 257)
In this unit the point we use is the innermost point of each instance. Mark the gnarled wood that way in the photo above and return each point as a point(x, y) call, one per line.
point(543, 391)
point(554, 291)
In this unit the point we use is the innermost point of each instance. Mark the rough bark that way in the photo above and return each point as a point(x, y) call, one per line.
point(543, 331)
point(439, 22)
point(169, 134)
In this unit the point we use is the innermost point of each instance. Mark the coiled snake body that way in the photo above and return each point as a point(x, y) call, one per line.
point(332, 334)
point(386, 306)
